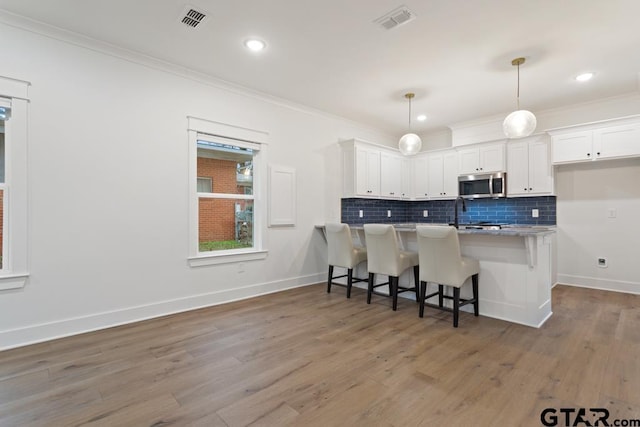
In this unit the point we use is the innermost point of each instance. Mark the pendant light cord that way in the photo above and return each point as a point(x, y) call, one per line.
point(518, 92)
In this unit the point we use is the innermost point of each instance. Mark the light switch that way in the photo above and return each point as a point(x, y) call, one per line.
point(535, 213)
point(425, 213)
point(388, 214)
point(360, 213)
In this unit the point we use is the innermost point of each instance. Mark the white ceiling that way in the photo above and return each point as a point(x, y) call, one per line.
point(330, 55)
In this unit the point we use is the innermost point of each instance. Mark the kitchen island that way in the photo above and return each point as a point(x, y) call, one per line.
point(515, 269)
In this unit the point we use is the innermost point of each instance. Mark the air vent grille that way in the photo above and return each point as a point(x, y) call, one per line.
point(395, 18)
point(192, 17)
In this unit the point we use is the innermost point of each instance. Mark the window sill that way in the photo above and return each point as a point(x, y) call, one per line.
point(13, 281)
point(226, 258)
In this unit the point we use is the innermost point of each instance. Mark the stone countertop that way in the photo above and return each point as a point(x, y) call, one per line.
point(506, 230)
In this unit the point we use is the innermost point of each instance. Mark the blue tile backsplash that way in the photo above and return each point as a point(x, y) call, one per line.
point(503, 211)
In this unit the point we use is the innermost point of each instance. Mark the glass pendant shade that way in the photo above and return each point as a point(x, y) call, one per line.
point(519, 124)
point(410, 144)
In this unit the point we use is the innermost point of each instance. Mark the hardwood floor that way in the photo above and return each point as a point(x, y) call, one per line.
point(304, 357)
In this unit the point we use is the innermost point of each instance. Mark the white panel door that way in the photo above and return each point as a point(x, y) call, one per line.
point(420, 177)
point(518, 168)
point(573, 147)
point(492, 158)
point(617, 141)
point(390, 175)
point(540, 169)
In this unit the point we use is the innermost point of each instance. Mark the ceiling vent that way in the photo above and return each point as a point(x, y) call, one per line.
point(395, 18)
point(192, 17)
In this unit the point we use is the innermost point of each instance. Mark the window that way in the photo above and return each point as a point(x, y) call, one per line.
point(227, 213)
point(225, 210)
point(205, 185)
point(13, 183)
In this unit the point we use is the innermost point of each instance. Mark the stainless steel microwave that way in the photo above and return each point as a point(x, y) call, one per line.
point(483, 185)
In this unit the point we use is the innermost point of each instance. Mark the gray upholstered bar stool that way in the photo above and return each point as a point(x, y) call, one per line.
point(385, 257)
point(441, 262)
point(343, 253)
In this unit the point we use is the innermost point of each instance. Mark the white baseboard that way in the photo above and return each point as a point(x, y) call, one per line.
point(66, 327)
point(597, 283)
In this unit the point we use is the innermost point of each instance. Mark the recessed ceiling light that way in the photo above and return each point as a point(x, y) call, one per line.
point(255, 45)
point(584, 77)
point(421, 117)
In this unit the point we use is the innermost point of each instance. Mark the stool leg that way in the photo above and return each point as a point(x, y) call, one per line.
point(474, 282)
point(393, 288)
point(329, 279)
point(416, 275)
point(370, 287)
point(456, 306)
point(349, 281)
point(440, 295)
point(423, 293)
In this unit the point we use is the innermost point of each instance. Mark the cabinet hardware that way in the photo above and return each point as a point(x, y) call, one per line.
point(588, 154)
point(598, 153)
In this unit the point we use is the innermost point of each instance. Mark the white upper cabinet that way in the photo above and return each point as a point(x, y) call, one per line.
point(390, 175)
point(604, 140)
point(442, 169)
point(372, 171)
point(617, 141)
point(420, 177)
point(361, 169)
point(529, 170)
point(482, 158)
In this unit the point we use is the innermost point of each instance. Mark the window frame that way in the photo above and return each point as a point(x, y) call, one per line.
point(201, 129)
point(14, 272)
point(207, 178)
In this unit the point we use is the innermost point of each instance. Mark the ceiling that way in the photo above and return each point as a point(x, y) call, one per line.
point(330, 55)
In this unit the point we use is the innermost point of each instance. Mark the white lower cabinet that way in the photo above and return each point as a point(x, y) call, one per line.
point(529, 170)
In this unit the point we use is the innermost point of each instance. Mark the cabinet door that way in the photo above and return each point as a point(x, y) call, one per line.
point(367, 172)
point(492, 158)
point(518, 168)
point(573, 147)
point(405, 177)
point(617, 141)
point(469, 161)
point(450, 175)
point(435, 171)
point(390, 176)
point(540, 169)
point(420, 177)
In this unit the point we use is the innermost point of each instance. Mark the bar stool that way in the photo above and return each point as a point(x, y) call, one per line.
point(342, 253)
point(441, 262)
point(385, 257)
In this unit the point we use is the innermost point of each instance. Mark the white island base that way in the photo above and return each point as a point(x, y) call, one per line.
point(515, 271)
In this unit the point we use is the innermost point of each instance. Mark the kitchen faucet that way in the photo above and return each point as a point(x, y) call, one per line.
point(455, 210)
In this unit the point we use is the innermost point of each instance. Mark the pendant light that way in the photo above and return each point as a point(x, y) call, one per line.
point(410, 143)
point(520, 123)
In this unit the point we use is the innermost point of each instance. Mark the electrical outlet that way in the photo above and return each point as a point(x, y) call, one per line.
point(535, 213)
point(602, 262)
point(240, 268)
point(612, 213)
point(388, 214)
point(360, 213)
point(425, 213)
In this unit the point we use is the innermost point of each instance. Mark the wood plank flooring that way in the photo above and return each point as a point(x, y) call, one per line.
point(307, 358)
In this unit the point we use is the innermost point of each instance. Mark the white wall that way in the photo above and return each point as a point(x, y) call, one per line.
point(108, 179)
point(586, 194)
